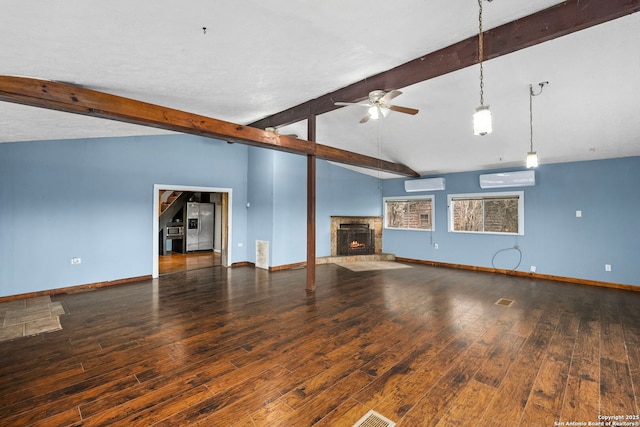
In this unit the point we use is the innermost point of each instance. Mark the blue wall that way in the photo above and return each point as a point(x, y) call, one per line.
point(260, 199)
point(342, 192)
point(278, 203)
point(93, 199)
point(555, 240)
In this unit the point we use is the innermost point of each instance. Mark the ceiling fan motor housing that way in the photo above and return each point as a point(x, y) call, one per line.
point(376, 95)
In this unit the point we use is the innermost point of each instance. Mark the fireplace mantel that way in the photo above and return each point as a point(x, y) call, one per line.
point(375, 223)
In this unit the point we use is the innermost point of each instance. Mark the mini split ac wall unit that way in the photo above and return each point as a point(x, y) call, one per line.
point(428, 184)
point(508, 179)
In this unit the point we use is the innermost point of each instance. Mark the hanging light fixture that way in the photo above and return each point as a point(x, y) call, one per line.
point(532, 156)
point(482, 117)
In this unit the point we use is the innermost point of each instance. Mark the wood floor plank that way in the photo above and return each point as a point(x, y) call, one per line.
point(465, 409)
point(509, 402)
point(632, 341)
point(249, 347)
point(160, 411)
point(499, 360)
point(616, 389)
point(547, 397)
point(32, 410)
point(65, 418)
point(418, 355)
point(416, 384)
point(315, 385)
point(326, 402)
point(232, 403)
point(347, 414)
point(612, 335)
point(582, 395)
point(536, 415)
point(272, 413)
point(191, 376)
point(435, 403)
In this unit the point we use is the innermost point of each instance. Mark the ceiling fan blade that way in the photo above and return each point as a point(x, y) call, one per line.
point(351, 103)
point(405, 110)
point(390, 95)
point(366, 118)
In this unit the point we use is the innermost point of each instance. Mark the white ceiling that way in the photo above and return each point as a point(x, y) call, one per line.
point(259, 57)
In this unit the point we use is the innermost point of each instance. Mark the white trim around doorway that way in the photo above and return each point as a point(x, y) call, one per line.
point(156, 207)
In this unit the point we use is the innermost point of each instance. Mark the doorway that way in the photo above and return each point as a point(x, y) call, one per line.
point(221, 254)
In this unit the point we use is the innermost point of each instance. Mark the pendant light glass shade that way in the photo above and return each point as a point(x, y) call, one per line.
point(532, 160)
point(482, 121)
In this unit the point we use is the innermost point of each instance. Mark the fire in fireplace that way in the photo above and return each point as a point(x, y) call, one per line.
point(355, 239)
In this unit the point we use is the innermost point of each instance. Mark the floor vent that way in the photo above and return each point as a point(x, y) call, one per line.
point(373, 419)
point(505, 302)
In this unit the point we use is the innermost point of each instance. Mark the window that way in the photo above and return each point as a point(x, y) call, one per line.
point(496, 213)
point(409, 213)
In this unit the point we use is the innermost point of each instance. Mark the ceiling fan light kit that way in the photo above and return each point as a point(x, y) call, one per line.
point(376, 112)
point(482, 122)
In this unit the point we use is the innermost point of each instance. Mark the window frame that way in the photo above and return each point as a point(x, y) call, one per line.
point(486, 196)
point(430, 197)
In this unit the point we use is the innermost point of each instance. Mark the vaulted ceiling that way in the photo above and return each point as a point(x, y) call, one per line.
point(243, 61)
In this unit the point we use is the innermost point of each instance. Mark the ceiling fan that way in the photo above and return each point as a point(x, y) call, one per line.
point(378, 106)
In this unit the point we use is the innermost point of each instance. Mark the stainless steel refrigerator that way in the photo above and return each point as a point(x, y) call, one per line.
point(199, 226)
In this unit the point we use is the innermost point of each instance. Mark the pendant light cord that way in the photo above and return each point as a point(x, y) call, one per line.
point(531, 95)
point(531, 115)
point(481, 52)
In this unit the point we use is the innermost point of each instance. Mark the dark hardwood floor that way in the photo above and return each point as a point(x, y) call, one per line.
point(246, 347)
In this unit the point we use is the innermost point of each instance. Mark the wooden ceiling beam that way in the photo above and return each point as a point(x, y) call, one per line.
point(548, 24)
point(78, 100)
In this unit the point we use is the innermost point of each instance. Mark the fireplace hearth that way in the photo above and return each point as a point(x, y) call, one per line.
point(355, 239)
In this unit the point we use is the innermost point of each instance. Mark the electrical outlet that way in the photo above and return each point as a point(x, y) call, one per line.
point(435, 246)
point(578, 214)
point(240, 245)
point(76, 260)
point(533, 269)
point(607, 267)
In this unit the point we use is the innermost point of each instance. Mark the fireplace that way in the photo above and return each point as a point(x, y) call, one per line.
point(372, 222)
point(355, 239)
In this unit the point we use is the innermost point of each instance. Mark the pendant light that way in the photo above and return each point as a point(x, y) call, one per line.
point(482, 117)
point(532, 156)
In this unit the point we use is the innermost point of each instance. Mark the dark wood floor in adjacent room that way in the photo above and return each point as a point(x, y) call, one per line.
point(175, 261)
point(246, 347)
